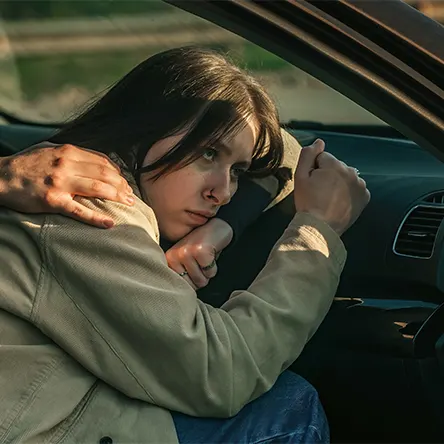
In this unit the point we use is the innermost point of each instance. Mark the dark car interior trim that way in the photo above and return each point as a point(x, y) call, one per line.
point(414, 39)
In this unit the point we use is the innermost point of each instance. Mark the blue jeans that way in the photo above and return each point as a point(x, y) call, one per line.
point(289, 413)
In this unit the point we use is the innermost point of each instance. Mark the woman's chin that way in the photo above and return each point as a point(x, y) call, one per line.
point(174, 234)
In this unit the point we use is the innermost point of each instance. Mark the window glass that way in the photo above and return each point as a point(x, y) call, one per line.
point(56, 55)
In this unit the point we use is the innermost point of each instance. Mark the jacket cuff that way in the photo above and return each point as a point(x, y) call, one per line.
point(322, 234)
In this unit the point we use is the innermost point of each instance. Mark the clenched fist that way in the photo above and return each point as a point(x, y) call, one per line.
point(329, 189)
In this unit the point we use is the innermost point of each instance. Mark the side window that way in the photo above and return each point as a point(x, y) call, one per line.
point(57, 55)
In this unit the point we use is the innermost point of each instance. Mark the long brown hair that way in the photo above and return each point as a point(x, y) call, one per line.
point(189, 89)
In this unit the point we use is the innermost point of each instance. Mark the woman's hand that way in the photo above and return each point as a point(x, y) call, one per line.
point(47, 177)
point(194, 257)
point(328, 188)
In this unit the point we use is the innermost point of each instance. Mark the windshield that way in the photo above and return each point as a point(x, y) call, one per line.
point(56, 56)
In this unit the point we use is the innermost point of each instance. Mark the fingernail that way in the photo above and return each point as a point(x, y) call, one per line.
point(108, 223)
point(130, 200)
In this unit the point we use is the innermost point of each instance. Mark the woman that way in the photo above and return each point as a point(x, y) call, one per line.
point(102, 341)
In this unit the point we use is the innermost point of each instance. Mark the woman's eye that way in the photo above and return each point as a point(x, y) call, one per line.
point(209, 154)
point(237, 172)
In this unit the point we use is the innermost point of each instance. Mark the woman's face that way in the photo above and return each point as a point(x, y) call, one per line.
point(186, 198)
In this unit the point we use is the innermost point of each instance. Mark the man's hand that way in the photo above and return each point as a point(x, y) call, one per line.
point(328, 188)
point(46, 178)
point(194, 257)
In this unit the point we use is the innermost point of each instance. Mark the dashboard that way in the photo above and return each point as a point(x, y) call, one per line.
point(400, 176)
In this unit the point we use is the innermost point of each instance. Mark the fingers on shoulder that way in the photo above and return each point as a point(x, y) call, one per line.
point(75, 210)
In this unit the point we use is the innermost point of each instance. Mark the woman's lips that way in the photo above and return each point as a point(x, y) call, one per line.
point(197, 218)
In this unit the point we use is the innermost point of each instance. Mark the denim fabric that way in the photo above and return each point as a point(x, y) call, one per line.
point(289, 413)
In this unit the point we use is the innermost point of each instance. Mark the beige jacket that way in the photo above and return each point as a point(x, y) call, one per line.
point(98, 337)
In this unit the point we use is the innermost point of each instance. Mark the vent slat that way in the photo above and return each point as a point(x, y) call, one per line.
point(410, 245)
point(425, 218)
point(408, 233)
point(417, 235)
point(415, 252)
point(434, 215)
point(431, 210)
point(436, 198)
point(407, 242)
point(420, 227)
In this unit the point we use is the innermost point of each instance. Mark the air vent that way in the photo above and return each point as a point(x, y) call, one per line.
point(435, 198)
point(417, 234)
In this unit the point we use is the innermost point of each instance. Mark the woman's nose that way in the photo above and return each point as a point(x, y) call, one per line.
point(220, 189)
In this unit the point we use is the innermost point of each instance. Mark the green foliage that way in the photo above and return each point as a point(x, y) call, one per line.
point(254, 58)
point(94, 71)
point(90, 71)
point(48, 9)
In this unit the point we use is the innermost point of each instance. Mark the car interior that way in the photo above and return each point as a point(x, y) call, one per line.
point(377, 360)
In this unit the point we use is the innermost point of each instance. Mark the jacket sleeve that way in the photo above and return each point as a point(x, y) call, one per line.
point(108, 299)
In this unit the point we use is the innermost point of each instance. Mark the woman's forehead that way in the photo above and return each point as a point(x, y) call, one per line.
point(241, 144)
point(246, 134)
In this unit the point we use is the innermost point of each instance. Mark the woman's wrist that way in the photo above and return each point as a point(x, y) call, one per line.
point(222, 231)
